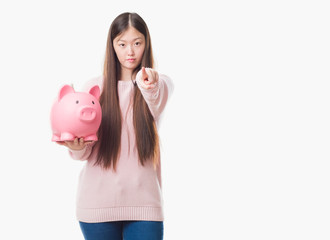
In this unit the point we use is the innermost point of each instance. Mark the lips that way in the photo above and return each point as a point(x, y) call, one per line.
point(130, 59)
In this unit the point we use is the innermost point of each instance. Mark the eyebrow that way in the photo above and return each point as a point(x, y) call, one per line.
point(133, 39)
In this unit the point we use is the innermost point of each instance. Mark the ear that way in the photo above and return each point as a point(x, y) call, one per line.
point(66, 89)
point(95, 91)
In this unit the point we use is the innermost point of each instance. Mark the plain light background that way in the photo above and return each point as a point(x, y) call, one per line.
point(245, 137)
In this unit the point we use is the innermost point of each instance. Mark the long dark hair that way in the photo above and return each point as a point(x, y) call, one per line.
point(109, 133)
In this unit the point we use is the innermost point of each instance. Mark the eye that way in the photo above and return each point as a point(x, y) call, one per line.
point(77, 102)
point(137, 43)
point(121, 44)
point(93, 102)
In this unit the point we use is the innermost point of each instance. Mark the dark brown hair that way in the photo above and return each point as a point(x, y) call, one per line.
point(109, 133)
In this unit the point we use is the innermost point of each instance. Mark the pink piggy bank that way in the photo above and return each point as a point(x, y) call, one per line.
point(76, 114)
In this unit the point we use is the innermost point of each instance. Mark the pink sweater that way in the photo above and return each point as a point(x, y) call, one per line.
point(133, 192)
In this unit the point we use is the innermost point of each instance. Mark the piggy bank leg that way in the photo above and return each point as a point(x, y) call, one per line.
point(56, 138)
point(92, 137)
point(67, 136)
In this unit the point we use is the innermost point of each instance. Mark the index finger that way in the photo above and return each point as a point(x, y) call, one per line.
point(144, 73)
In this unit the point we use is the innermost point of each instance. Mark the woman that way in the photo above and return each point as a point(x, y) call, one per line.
point(119, 193)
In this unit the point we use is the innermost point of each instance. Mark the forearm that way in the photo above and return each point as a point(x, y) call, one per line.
point(82, 154)
point(157, 97)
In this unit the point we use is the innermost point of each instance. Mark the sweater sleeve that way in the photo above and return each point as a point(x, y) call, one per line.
point(158, 96)
point(82, 154)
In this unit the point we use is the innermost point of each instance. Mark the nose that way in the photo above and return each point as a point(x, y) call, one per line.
point(87, 114)
point(130, 51)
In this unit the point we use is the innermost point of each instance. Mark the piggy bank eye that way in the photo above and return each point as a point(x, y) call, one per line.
point(77, 102)
point(93, 102)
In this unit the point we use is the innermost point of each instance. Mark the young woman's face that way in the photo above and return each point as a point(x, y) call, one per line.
point(129, 47)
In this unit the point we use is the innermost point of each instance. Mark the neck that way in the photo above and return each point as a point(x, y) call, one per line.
point(126, 75)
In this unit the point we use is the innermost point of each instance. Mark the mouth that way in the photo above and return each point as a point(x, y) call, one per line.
point(130, 59)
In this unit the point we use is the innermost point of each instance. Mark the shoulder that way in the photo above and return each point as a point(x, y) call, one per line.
point(92, 82)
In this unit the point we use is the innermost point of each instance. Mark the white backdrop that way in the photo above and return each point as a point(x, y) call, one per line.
point(245, 137)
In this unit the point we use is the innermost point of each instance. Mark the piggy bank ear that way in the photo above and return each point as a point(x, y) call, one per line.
point(95, 91)
point(66, 89)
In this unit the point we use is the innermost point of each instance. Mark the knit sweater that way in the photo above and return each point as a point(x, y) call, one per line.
point(133, 191)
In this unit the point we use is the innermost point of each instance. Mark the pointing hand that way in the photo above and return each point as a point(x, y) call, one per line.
point(148, 78)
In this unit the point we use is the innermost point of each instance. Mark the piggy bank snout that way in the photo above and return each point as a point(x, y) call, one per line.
point(87, 114)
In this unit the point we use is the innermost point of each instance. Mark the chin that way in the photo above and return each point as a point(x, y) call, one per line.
point(131, 67)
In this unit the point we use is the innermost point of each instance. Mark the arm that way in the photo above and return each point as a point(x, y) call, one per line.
point(82, 154)
point(156, 90)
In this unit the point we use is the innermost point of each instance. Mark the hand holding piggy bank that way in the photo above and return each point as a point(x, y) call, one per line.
point(76, 114)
